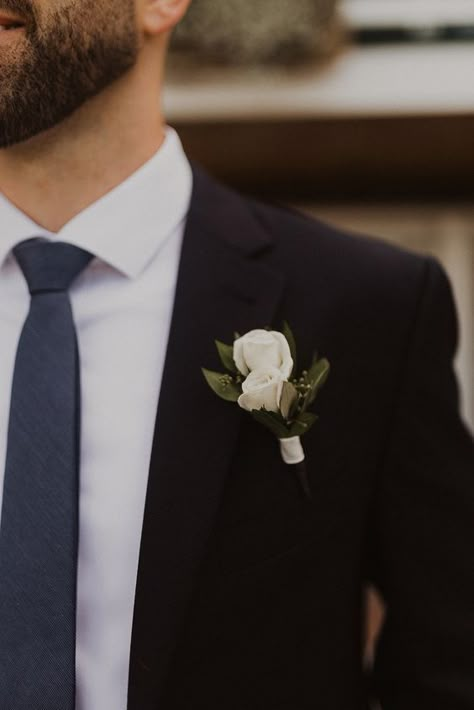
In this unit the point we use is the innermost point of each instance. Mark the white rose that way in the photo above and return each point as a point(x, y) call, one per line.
point(262, 388)
point(262, 350)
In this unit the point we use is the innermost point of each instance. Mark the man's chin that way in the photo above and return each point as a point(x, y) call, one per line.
point(29, 123)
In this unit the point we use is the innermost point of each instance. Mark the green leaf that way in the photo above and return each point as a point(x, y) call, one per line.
point(223, 385)
point(302, 424)
point(319, 370)
point(289, 398)
point(272, 421)
point(316, 377)
point(226, 354)
point(288, 333)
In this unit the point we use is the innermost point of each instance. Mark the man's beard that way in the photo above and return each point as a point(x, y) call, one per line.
point(61, 60)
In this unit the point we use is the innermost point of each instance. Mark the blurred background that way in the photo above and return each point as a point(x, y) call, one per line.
point(360, 112)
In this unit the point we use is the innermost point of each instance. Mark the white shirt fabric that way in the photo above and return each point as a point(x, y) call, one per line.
point(122, 305)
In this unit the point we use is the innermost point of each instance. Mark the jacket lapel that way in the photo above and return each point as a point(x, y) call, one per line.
point(224, 285)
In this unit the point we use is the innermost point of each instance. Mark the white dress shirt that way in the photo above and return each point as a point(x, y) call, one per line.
point(122, 306)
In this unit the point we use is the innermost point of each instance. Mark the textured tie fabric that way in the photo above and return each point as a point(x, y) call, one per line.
point(39, 521)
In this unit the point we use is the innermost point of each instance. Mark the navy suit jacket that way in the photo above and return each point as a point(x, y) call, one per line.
point(250, 596)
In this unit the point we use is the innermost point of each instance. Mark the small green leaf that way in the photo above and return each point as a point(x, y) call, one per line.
point(272, 421)
point(302, 424)
point(314, 380)
point(223, 385)
point(289, 397)
point(319, 369)
point(226, 354)
point(316, 377)
point(236, 335)
point(288, 333)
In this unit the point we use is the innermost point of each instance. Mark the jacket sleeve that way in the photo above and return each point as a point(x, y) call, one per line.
point(423, 532)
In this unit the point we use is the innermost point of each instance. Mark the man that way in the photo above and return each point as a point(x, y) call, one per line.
point(155, 550)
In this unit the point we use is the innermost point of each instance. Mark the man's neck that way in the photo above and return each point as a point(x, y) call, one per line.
point(59, 173)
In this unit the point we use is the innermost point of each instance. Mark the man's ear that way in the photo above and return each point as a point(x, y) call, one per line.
point(159, 16)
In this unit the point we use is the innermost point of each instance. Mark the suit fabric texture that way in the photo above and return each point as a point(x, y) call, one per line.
point(250, 596)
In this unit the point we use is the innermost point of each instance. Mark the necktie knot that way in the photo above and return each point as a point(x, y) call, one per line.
point(50, 266)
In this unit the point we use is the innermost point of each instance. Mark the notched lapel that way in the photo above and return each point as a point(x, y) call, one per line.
point(224, 285)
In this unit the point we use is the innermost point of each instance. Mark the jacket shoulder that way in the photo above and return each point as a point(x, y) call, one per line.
point(360, 276)
point(354, 257)
point(375, 289)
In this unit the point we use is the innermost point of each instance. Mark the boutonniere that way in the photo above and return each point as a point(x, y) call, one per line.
point(261, 378)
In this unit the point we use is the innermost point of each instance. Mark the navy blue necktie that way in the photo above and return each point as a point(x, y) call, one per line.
point(39, 521)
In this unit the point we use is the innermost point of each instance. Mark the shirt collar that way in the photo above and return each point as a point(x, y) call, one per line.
point(127, 226)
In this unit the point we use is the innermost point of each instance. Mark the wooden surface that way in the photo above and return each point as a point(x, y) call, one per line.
point(403, 157)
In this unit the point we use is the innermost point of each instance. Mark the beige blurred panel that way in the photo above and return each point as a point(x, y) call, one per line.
point(446, 232)
point(421, 14)
point(386, 80)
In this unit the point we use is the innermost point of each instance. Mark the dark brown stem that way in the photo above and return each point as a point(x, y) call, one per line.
point(302, 476)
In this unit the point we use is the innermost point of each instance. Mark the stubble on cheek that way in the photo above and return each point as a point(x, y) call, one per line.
point(12, 60)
